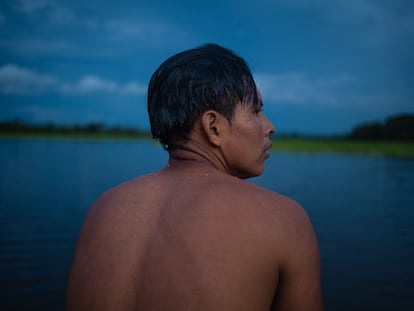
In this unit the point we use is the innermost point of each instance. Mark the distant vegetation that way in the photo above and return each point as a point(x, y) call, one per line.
point(396, 128)
point(91, 130)
point(394, 137)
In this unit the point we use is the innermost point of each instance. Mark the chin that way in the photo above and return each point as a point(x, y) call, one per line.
point(250, 174)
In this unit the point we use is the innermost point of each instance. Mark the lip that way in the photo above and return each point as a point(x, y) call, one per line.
point(266, 152)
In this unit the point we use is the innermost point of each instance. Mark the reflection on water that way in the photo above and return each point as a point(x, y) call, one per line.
point(361, 207)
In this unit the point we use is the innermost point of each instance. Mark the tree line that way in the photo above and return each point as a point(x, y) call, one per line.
point(400, 127)
point(18, 126)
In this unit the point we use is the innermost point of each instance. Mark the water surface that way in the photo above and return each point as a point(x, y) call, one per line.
point(361, 208)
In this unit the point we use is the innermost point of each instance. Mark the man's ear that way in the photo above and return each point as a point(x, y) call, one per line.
point(214, 125)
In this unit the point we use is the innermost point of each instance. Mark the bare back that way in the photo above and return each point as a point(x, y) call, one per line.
point(193, 238)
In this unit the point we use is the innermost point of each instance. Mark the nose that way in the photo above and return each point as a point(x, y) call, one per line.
point(269, 128)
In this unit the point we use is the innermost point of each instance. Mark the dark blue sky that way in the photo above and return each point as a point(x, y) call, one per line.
point(322, 66)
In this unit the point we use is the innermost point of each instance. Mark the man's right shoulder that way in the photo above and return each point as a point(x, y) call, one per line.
point(127, 194)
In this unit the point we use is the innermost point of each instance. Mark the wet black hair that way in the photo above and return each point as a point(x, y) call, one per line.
point(192, 82)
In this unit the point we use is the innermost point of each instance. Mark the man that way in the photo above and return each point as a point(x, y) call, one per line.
point(195, 235)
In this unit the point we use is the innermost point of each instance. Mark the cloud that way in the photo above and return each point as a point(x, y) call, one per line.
point(51, 28)
point(31, 6)
point(297, 88)
point(91, 37)
point(54, 12)
point(161, 32)
point(15, 80)
point(134, 88)
point(342, 91)
point(18, 80)
point(39, 46)
point(377, 21)
point(123, 28)
point(95, 84)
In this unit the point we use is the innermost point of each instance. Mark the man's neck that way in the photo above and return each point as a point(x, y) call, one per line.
point(198, 154)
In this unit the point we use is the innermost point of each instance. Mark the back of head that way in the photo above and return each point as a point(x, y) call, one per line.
point(192, 82)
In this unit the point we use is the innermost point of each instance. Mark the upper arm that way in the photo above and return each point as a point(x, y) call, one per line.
point(299, 285)
point(101, 274)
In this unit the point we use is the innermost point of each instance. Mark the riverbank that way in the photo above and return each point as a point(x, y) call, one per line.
point(76, 135)
point(310, 145)
point(385, 148)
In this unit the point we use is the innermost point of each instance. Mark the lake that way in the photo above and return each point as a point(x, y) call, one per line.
point(362, 208)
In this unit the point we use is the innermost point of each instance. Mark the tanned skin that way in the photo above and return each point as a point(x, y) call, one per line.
point(197, 236)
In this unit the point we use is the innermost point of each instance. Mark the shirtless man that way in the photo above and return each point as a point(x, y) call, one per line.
point(195, 235)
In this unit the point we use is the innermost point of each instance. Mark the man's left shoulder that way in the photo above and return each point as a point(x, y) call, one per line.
point(265, 195)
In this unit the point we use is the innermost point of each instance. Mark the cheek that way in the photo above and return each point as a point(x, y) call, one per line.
point(255, 132)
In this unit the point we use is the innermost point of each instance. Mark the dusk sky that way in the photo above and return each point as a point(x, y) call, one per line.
point(322, 66)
